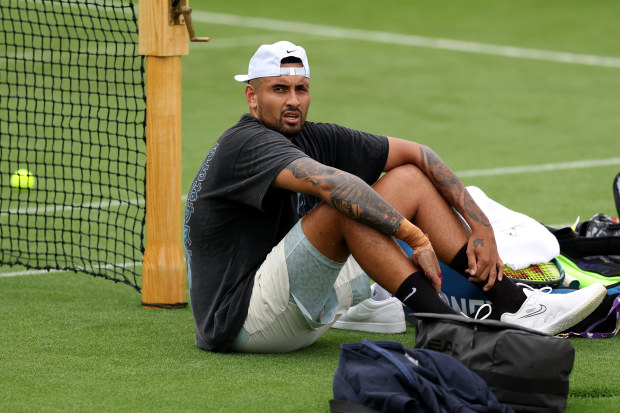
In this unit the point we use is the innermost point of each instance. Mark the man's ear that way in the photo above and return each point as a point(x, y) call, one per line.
point(250, 96)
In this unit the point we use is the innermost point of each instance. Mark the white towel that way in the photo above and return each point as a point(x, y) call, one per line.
point(521, 240)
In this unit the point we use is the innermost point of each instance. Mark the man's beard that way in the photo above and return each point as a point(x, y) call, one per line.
point(281, 127)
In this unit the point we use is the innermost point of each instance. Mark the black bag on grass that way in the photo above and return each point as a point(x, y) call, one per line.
point(594, 245)
point(384, 376)
point(524, 368)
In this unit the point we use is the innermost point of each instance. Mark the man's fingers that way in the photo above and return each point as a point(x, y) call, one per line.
point(437, 284)
point(491, 279)
point(471, 260)
point(433, 276)
point(426, 260)
point(500, 270)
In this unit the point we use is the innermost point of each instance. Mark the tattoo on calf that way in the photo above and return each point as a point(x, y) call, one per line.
point(350, 195)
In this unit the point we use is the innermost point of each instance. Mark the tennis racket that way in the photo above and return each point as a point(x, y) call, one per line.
point(548, 274)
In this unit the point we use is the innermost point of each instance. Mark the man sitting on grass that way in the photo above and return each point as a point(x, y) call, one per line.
point(286, 217)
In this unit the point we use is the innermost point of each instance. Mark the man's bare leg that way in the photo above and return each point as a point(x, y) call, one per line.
point(413, 195)
point(405, 188)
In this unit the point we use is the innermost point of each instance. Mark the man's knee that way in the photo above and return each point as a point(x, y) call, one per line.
point(401, 181)
point(405, 174)
point(322, 213)
point(406, 188)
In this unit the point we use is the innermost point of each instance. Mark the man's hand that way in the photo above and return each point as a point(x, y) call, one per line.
point(484, 261)
point(423, 255)
point(424, 258)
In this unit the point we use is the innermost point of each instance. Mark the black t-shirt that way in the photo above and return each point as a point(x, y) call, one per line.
point(234, 216)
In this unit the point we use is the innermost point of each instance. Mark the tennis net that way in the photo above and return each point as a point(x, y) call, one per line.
point(72, 112)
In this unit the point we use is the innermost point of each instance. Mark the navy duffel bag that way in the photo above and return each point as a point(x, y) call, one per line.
point(385, 376)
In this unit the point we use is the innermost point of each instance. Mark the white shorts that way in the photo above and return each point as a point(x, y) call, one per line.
point(277, 320)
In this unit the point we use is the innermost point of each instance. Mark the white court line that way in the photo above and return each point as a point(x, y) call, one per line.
point(404, 39)
point(62, 208)
point(470, 173)
point(30, 272)
point(87, 268)
point(234, 42)
point(539, 168)
point(400, 39)
point(549, 167)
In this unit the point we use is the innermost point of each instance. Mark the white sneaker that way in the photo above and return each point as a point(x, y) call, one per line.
point(554, 313)
point(381, 313)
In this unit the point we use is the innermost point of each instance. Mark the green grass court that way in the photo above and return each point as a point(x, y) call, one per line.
point(536, 133)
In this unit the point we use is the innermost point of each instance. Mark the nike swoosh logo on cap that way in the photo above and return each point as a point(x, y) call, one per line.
point(290, 51)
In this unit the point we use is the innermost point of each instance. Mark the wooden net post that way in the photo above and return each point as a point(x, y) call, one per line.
point(163, 43)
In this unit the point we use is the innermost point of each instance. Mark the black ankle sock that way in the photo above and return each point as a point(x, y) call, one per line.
point(506, 296)
point(460, 262)
point(417, 293)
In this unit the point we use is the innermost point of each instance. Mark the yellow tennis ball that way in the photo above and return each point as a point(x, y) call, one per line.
point(22, 179)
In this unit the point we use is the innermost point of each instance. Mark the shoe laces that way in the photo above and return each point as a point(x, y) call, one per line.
point(477, 316)
point(544, 290)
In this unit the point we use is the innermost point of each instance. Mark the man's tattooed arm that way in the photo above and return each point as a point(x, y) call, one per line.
point(348, 194)
point(450, 186)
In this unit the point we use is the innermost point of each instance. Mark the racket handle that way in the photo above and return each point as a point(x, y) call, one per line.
point(570, 282)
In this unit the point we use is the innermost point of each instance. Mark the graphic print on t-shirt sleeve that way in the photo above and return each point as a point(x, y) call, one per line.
point(189, 209)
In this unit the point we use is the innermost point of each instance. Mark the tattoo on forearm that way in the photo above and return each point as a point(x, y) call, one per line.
point(441, 174)
point(450, 186)
point(350, 195)
point(474, 212)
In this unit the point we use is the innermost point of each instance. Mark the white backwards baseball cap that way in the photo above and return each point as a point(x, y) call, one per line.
point(266, 62)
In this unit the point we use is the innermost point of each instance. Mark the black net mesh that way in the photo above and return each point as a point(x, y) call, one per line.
point(72, 112)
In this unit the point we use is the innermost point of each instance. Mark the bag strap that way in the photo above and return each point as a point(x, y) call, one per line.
point(531, 386)
point(614, 312)
point(584, 247)
point(576, 246)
